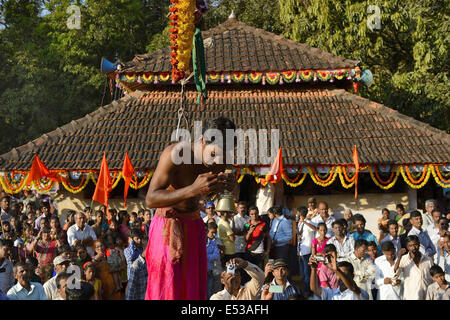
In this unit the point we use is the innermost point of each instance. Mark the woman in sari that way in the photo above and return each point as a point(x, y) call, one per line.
point(103, 272)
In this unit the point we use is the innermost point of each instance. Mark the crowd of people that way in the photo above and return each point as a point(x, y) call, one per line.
point(286, 253)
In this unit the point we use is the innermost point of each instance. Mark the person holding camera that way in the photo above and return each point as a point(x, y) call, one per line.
point(347, 289)
point(231, 279)
point(280, 288)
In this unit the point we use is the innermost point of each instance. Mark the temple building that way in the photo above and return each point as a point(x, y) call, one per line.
point(260, 81)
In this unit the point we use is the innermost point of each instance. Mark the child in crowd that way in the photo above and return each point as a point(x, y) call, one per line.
point(89, 276)
point(439, 289)
point(82, 255)
point(213, 257)
point(318, 244)
point(382, 223)
point(114, 260)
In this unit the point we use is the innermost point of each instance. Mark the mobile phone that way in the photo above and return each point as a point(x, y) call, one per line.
point(275, 288)
point(271, 261)
point(320, 258)
point(231, 268)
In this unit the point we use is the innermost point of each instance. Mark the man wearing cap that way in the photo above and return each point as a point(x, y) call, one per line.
point(232, 282)
point(210, 209)
point(280, 283)
point(60, 264)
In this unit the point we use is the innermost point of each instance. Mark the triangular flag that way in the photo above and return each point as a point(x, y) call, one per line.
point(276, 170)
point(127, 173)
point(103, 186)
point(39, 170)
point(356, 162)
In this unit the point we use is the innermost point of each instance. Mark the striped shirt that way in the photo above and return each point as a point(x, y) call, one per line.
point(137, 280)
point(288, 291)
point(435, 292)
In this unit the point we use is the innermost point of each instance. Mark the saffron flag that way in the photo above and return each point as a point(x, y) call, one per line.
point(39, 170)
point(127, 173)
point(103, 187)
point(356, 162)
point(276, 170)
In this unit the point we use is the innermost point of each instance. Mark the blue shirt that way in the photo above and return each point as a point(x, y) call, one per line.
point(426, 245)
point(36, 292)
point(288, 291)
point(212, 252)
point(281, 231)
point(137, 280)
point(3, 296)
point(369, 237)
point(131, 253)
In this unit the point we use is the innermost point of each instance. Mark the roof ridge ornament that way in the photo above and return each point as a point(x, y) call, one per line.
point(232, 16)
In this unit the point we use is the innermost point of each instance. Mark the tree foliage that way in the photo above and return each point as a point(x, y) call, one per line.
point(408, 54)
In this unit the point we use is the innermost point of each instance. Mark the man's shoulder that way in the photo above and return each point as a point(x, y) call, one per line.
point(49, 283)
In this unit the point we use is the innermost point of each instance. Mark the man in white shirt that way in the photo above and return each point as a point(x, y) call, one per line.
point(345, 244)
point(364, 270)
point(426, 246)
point(24, 289)
point(232, 282)
point(325, 218)
point(347, 290)
point(239, 220)
point(430, 206)
point(443, 256)
point(389, 285)
point(5, 214)
point(393, 237)
point(51, 288)
point(416, 270)
point(82, 233)
point(6, 266)
point(433, 229)
point(305, 234)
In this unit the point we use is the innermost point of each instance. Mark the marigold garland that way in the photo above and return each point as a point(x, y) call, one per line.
point(440, 175)
point(394, 175)
point(137, 185)
point(84, 182)
point(438, 178)
point(424, 179)
point(181, 35)
point(272, 78)
point(289, 76)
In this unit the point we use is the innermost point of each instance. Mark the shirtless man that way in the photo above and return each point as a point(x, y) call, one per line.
point(176, 251)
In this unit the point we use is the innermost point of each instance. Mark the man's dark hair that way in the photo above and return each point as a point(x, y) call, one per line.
point(387, 246)
point(360, 243)
point(61, 276)
point(405, 222)
point(330, 248)
point(32, 261)
point(436, 210)
point(45, 204)
point(400, 206)
point(322, 224)
point(276, 210)
point(20, 264)
point(303, 211)
point(372, 244)
point(412, 238)
point(359, 217)
point(347, 265)
point(253, 208)
point(220, 123)
point(242, 203)
point(434, 270)
point(415, 213)
point(64, 248)
point(5, 197)
point(4, 242)
point(84, 293)
point(390, 222)
point(212, 225)
point(136, 233)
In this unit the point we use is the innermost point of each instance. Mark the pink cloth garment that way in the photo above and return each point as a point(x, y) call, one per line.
point(320, 248)
point(177, 268)
point(327, 278)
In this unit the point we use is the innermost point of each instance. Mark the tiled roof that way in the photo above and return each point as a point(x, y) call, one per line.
point(317, 126)
point(235, 46)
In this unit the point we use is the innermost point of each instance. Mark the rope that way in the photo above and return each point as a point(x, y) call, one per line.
point(181, 112)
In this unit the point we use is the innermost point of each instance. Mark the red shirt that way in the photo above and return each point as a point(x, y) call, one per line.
point(261, 228)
